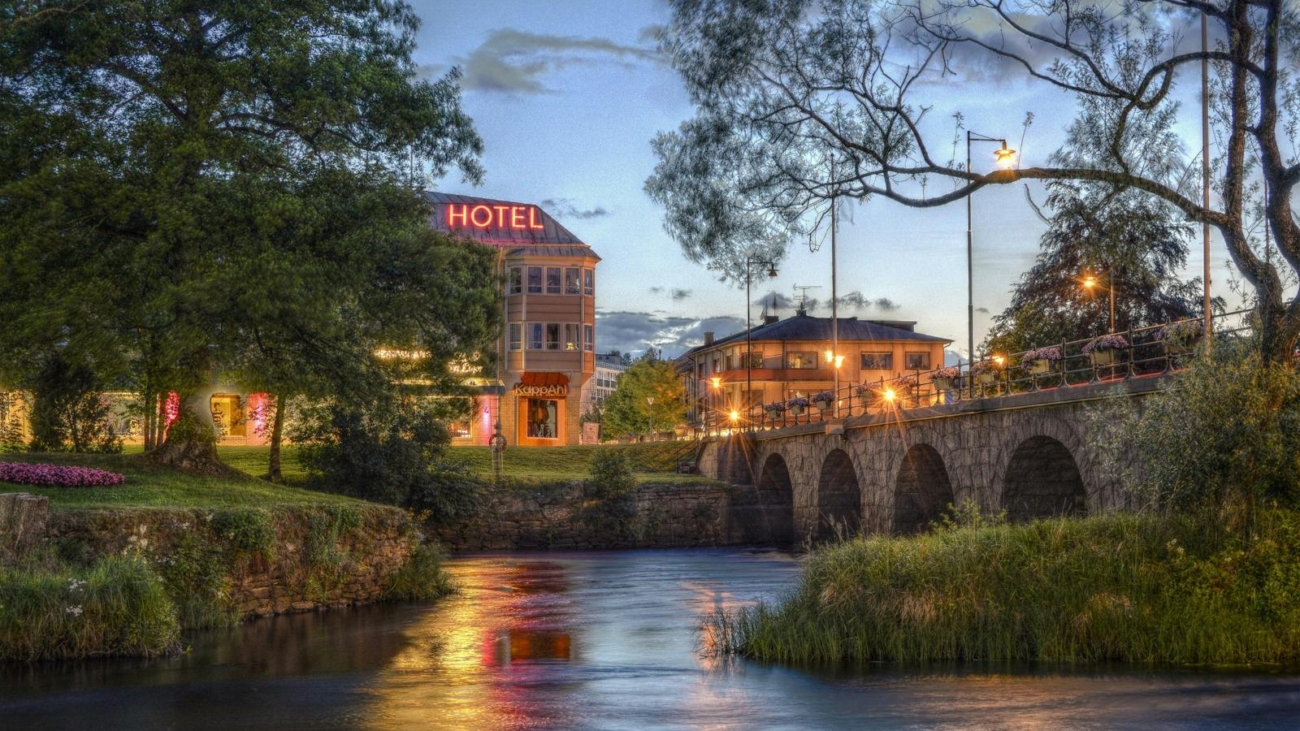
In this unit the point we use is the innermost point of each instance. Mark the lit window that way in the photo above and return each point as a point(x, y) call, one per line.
point(516, 280)
point(589, 336)
point(571, 341)
point(516, 336)
point(552, 336)
point(917, 361)
point(877, 361)
point(534, 280)
point(589, 282)
point(535, 336)
point(552, 280)
point(543, 418)
point(571, 280)
point(801, 360)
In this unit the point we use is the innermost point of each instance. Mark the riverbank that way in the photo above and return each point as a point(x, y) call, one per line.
point(1132, 588)
point(122, 570)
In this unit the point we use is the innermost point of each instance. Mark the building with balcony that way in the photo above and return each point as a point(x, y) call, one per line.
point(609, 366)
point(786, 359)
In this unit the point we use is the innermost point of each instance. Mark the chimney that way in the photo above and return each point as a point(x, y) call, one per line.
point(708, 338)
point(769, 319)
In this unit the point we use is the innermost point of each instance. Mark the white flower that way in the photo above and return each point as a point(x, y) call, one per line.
point(74, 610)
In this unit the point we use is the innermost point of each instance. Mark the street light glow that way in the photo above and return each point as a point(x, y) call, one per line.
point(1005, 156)
point(716, 381)
point(735, 415)
point(889, 394)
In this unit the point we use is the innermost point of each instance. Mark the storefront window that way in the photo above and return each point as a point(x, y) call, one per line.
point(917, 361)
point(516, 281)
point(516, 336)
point(458, 429)
point(552, 280)
point(877, 361)
point(572, 281)
point(534, 280)
point(543, 418)
point(552, 336)
point(589, 282)
point(571, 341)
point(535, 336)
point(589, 336)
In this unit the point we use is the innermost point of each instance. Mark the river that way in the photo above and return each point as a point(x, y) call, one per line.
point(596, 641)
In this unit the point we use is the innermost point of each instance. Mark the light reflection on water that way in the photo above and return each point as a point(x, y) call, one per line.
point(596, 641)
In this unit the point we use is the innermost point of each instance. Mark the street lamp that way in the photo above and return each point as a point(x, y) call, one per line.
point(749, 375)
point(1005, 156)
point(1090, 283)
point(713, 396)
point(650, 400)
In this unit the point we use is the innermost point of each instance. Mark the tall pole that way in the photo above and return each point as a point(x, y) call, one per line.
point(970, 281)
point(1205, 167)
point(1112, 303)
point(749, 375)
point(835, 322)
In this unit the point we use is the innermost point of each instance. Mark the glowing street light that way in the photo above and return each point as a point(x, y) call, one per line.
point(1005, 156)
point(1090, 283)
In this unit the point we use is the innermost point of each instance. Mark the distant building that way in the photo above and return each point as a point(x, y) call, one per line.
point(787, 359)
point(609, 366)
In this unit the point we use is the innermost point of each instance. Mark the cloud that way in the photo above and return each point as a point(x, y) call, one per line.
point(514, 62)
point(985, 310)
point(634, 332)
point(656, 290)
point(680, 294)
point(884, 304)
point(565, 208)
point(774, 298)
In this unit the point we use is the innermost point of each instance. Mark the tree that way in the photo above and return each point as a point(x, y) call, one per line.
point(1130, 242)
point(802, 101)
point(626, 409)
point(182, 180)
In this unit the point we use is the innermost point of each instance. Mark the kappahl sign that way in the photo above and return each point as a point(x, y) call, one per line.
point(496, 215)
point(554, 390)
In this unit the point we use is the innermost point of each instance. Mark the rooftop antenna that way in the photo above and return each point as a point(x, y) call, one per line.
point(802, 289)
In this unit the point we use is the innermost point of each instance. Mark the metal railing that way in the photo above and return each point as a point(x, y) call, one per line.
point(1145, 352)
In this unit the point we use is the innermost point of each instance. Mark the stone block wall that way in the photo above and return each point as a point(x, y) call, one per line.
point(23, 519)
point(294, 578)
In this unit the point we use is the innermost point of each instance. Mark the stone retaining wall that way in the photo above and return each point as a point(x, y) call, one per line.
point(310, 566)
point(22, 523)
point(560, 516)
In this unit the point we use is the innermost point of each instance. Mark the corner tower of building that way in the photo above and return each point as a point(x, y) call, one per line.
point(548, 322)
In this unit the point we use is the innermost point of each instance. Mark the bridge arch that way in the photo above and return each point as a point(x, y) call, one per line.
point(839, 497)
point(1042, 479)
point(776, 499)
point(922, 490)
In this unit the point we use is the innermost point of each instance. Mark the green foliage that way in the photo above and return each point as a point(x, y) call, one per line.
point(68, 412)
point(11, 425)
point(627, 412)
point(1134, 588)
point(611, 475)
point(246, 533)
point(117, 607)
point(1223, 438)
point(422, 578)
point(196, 572)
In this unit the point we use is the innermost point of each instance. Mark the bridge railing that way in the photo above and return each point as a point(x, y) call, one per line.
point(1109, 358)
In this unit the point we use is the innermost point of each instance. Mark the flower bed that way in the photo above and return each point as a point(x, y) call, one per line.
point(48, 475)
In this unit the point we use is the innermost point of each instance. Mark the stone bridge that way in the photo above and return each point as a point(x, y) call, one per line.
point(1032, 455)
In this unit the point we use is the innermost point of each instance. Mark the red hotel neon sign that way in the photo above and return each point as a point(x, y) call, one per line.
point(482, 215)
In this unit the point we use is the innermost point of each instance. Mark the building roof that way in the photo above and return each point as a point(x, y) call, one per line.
point(804, 327)
point(551, 232)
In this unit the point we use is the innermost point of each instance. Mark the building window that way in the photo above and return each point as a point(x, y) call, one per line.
point(552, 280)
point(917, 361)
point(877, 361)
point(552, 336)
point(589, 337)
point(728, 362)
point(589, 282)
point(535, 336)
point(571, 341)
point(534, 280)
point(699, 370)
point(571, 280)
point(516, 281)
point(458, 429)
point(804, 360)
point(516, 336)
point(543, 418)
point(755, 359)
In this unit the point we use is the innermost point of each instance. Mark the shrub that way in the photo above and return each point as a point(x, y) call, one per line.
point(68, 412)
point(246, 533)
point(196, 573)
point(48, 475)
point(421, 578)
point(611, 475)
point(117, 607)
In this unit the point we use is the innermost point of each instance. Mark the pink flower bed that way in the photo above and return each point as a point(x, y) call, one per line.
point(49, 475)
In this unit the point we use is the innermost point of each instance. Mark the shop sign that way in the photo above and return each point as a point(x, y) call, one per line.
point(554, 390)
point(482, 215)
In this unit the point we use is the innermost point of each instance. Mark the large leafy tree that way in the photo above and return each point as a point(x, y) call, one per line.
point(800, 101)
point(628, 409)
point(190, 190)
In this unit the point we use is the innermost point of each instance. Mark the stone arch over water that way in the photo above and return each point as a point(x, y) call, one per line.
point(1042, 480)
point(922, 490)
point(839, 497)
point(776, 499)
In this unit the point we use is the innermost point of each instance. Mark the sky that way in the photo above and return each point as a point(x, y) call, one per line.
point(568, 94)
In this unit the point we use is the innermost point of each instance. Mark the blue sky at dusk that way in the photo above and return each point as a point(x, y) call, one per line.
point(567, 96)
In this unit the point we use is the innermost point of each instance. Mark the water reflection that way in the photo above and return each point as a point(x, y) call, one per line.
point(597, 641)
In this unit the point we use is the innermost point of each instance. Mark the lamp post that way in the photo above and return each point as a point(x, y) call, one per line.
point(713, 396)
point(650, 401)
point(749, 374)
point(1004, 156)
point(1090, 282)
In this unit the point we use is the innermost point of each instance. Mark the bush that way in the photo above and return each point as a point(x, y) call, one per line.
point(1135, 588)
point(48, 475)
point(68, 412)
point(422, 578)
point(196, 573)
point(1224, 437)
point(117, 607)
point(611, 475)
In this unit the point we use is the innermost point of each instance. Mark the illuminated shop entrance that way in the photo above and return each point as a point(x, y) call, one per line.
point(542, 405)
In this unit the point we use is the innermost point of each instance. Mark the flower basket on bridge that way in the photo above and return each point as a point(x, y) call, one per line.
point(1180, 337)
point(797, 405)
point(943, 378)
point(1102, 350)
point(1041, 361)
point(823, 400)
point(775, 410)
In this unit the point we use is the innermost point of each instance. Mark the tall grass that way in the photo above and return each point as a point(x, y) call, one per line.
point(422, 578)
point(117, 607)
point(1137, 588)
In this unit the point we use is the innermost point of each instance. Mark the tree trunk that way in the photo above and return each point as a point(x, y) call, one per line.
point(277, 431)
point(191, 443)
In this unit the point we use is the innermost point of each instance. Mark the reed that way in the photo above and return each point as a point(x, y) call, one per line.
point(1135, 588)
